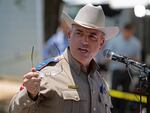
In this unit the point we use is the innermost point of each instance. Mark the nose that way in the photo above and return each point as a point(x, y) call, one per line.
point(85, 40)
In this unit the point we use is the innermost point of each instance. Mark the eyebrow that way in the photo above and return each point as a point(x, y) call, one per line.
point(79, 30)
point(92, 33)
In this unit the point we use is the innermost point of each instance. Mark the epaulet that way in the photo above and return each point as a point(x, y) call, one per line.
point(47, 61)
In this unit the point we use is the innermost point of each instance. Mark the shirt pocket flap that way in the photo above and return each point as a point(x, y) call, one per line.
point(71, 95)
point(105, 99)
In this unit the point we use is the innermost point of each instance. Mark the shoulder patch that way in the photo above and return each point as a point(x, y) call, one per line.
point(47, 61)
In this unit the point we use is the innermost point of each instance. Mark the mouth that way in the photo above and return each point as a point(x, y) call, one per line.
point(83, 50)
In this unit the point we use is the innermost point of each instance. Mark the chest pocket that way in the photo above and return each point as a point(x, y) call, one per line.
point(105, 100)
point(72, 101)
point(70, 95)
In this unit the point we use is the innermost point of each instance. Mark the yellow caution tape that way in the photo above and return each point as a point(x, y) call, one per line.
point(127, 96)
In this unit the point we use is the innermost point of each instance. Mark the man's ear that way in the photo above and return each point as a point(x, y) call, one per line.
point(102, 42)
point(69, 34)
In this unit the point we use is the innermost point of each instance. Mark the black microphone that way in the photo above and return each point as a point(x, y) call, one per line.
point(113, 56)
point(123, 59)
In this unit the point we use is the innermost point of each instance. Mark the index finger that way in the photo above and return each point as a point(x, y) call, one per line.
point(31, 74)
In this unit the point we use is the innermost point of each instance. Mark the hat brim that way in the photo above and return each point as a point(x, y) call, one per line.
point(110, 32)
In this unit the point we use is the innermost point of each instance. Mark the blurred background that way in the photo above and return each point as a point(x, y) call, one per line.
point(28, 23)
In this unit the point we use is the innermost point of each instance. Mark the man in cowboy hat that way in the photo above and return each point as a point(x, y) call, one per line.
point(70, 83)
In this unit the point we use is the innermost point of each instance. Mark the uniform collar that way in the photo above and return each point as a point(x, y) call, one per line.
point(76, 66)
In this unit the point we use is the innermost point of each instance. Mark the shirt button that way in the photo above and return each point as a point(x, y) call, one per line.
point(93, 92)
point(24, 104)
point(76, 97)
point(94, 109)
point(28, 101)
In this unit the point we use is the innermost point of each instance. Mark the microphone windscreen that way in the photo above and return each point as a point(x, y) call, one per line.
point(107, 53)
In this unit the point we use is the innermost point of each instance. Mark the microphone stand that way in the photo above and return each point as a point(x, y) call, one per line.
point(148, 94)
point(142, 69)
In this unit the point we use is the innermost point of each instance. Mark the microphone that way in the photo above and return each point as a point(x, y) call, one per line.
point(107, 53)
point(123, 59)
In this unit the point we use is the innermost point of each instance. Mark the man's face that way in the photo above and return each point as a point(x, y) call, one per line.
point(85, 43)
point(128, 33)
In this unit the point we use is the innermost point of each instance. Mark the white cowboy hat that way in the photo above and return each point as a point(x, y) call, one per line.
point(92, 17)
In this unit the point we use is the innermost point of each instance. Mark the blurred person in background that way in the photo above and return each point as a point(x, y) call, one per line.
point(57, 43)
point(71, 83)
point(125, 44)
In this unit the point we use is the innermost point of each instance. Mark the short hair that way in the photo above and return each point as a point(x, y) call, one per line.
point(129, 26)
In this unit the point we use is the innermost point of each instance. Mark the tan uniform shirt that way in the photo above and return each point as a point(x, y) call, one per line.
point(66, 88)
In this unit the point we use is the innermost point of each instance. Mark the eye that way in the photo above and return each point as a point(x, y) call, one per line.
point(93, 37)
point(78, 33)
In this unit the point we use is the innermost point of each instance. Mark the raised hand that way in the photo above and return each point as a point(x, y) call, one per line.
point(32, 82)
